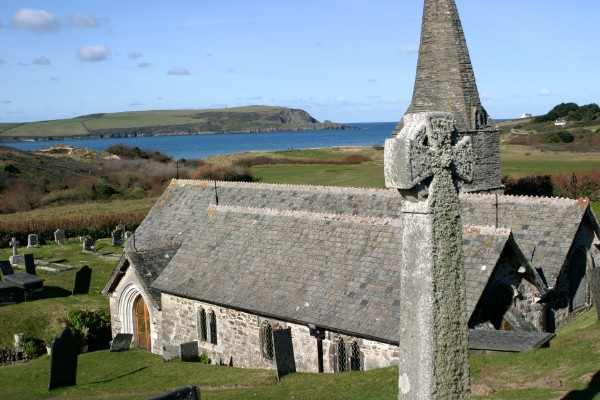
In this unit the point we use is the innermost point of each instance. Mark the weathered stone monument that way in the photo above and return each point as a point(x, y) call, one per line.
point(63, 362)
point(29, 264)
point(284, 352)
point(189, 352)
point(425, 162)
point(89, 244)
point(117, 235)
point(32, 240)
point(121, 342)
point(59, 236)
point(15, 259)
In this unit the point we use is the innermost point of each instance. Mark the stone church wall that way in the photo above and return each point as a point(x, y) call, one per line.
point(121, 309)
point(239, 339)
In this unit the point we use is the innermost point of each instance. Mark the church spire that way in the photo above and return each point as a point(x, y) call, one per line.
point(445, 80)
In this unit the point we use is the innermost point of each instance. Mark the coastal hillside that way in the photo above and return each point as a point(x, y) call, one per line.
point(168, 122)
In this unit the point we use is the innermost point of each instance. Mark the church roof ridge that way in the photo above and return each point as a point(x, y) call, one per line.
point(317, 216)
point(283, 186)
point(558, 201)
point(487, 230)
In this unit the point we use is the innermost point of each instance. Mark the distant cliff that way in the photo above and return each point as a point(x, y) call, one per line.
point(171, 122)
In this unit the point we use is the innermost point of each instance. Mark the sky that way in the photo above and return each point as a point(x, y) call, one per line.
point(340, 60)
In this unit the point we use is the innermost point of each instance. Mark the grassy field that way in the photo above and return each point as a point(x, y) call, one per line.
point(520, 161)
point(42, 319)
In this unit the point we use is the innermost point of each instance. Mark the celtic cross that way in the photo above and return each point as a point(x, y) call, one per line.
point(14, 243)
point(422, 156)
point(426, 163)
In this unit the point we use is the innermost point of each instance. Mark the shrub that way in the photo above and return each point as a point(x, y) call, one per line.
point(93, 326)
point(204, 359)
point(528, 186)
point(224, 173)
point(560, 137)
point(33, 348)
point(356, 159)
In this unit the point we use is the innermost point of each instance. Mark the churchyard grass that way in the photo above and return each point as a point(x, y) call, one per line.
point(44, 318)
point(567, 366)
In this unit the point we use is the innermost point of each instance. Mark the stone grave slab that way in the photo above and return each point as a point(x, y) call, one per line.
point(63, 362)
point(189, 351)
point(284, 352)
point(594, 274)
point(32, 240)
point(121, 342)
point(83, 278)
point(185, 393)
point(29, 264)
point(32, 285)
point(11, 293)
point(59, 236)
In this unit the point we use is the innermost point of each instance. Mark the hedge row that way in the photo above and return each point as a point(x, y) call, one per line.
point(95, 226)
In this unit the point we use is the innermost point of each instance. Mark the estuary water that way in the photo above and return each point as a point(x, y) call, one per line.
point(201, 146)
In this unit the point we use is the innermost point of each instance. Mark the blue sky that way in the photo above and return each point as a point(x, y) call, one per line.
point(342, 60)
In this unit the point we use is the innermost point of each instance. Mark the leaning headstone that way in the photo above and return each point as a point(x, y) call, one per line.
point(121, 342)
point(189, 351)
point(425, 166)
point(59, 236)
point(595, 288)
point(283, 349)
point(83, 277)
point(185, 393)
point(32, 240)
point(63, 362)
point(89, 244)
point(6, 268)
point(29, 264)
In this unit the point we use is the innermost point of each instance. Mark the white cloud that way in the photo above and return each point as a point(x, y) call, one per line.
point(134, 56)
point(36, 20)
point(93, 53)
point(545, 93)
point(144, 65)
point(178, 71)
point(83, 21)
point(42, 61)
point(410, 49)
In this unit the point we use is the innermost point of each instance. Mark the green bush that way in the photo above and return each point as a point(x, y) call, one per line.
point(33, 348)
point(91, 326)
point(560, 137)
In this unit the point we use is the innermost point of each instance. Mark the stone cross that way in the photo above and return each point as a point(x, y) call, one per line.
point(426, 163)
point(14, 243)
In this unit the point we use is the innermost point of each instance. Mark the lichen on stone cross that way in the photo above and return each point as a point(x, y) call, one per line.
point(418, 156)
point(14, 243)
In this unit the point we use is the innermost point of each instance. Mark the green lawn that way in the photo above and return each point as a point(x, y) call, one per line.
point(43, 319)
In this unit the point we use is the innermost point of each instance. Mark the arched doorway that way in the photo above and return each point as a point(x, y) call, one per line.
point(142, 324)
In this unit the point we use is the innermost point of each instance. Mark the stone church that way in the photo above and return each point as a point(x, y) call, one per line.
point(225, 264)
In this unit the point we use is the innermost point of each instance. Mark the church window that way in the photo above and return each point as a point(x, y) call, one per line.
point(202, 331)
point(341, 356)
point(355, 357)
point(267, 340)
point(213, 327)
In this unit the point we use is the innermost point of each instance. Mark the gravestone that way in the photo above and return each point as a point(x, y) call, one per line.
point(594, 274)
point(59, 236)
point(117, 237)
point(32, 240)
point(89, 244)
point(29, 264)
point(63, 362)
point(6, 268)
point(83, 277)
point(185, 393)
point(283, 350)
point(426, 167)
point(189, 351)
point(15, 259)
point(121, 342)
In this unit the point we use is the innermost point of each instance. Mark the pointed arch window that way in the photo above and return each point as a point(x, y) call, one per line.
point(267, 340)
point(341, 356)
point(202, 328)
point(213, 327)
point(355, 357)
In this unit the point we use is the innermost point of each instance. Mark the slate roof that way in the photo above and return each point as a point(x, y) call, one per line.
point(334, 271)
point(507, 341)
point(544, 227)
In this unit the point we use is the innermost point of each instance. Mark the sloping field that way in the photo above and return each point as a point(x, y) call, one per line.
point(61, 127)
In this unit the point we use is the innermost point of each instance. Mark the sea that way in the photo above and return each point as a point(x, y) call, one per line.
point(201, 146)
